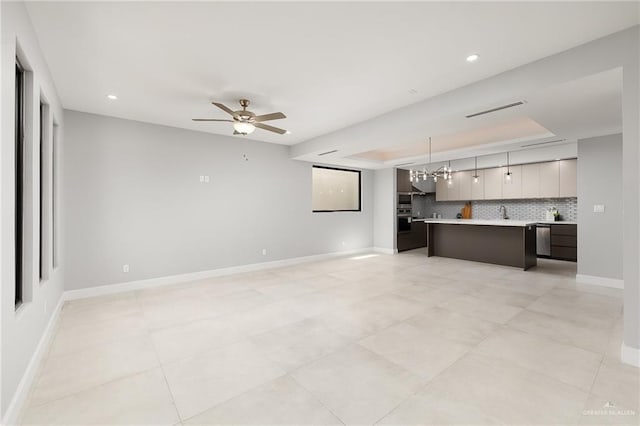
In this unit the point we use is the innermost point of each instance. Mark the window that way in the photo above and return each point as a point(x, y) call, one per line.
point(42, 180)
point(45, 190)
point(335, 190)
point(54, 182)
point(19, 180)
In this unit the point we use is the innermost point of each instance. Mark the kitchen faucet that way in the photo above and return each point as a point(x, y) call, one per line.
point(503, 212)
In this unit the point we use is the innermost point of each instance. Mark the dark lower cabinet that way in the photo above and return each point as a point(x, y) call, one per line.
point(413, 239)
point(564, 242)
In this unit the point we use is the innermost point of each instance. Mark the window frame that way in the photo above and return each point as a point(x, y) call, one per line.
point(19, 159)
point(41, 212)
point(54, 183)
point(359, 172)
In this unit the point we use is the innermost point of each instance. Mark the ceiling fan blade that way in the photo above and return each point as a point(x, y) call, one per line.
point(267, 117)
point(270, 128)
point(224, 108)
point(211, 119)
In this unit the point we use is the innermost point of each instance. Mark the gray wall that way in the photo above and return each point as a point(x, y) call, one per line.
point(22, 330)
point(133, 196)
point(384, 219)
point(600, 235)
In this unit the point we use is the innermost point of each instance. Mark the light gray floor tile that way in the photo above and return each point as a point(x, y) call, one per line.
point(357, 385)
point(205, 380)
point(141, 399)
point(568, 364)
point(298, 344)
point(420, 351)
point(279, 402)
point(66, 374)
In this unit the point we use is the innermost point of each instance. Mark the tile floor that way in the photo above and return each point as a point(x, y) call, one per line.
point(383, 339)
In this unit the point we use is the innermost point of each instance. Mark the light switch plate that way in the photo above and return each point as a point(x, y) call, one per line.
point(598, 208)
point(206, 179)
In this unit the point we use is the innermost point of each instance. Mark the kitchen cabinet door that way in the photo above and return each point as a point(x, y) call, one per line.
point(463, 180)
point(493, 183)
point(453, 188)
point(403, 184)
point(550, 179)
point(442, 192)
point(512, 188)
point(568, 178)
point(531, 180)
point(477, 188)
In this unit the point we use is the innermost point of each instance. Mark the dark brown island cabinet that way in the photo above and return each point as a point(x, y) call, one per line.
point(564, 242)
point(500, 245)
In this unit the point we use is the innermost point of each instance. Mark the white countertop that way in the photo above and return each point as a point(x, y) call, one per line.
point(497, 222)
point(557, 222)
point(504, 222)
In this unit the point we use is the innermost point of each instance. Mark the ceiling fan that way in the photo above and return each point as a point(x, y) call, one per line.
point(245, 122)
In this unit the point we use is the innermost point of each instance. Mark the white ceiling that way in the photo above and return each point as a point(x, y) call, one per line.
point(587, 107)
point(325, 65)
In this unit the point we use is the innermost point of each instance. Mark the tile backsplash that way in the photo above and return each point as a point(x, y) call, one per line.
point(425, 206)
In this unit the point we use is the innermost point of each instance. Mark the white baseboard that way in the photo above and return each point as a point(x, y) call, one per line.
point(630, 355)
point(195, 276)
point(385, 250)
point(601, 281)
point(22, 392)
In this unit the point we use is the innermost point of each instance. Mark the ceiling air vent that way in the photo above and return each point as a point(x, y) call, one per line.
point(489, 111)
point(328, 152)
point(542, 143)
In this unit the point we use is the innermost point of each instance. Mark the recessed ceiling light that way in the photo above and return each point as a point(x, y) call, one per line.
point(112, 97)
point(472, 58)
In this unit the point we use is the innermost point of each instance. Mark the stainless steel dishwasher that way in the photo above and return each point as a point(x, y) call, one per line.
point(543, 239)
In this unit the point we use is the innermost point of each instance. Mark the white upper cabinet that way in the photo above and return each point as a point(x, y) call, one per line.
point(550, 180)
point(453, 188)
point(512, 187)
point(477, 188)
point(493, 184)
point(539, 180)
point(463, 180)
point(531, 180)
point(442, 192)
point(568, 178)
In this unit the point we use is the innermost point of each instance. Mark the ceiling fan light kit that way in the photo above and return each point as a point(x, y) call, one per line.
point(245, 122)
point(243, 128)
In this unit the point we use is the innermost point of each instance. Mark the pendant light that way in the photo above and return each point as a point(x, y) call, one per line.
point(443, 172)
point(475, 173)
point(508, 174)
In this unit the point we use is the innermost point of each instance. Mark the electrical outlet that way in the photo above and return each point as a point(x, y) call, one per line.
point(264, 252)
point(598, 208)
point(201, 178)
point(125, 268)
point(206, 179)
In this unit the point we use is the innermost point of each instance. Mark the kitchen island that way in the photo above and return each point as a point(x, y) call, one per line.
point(501, 242)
